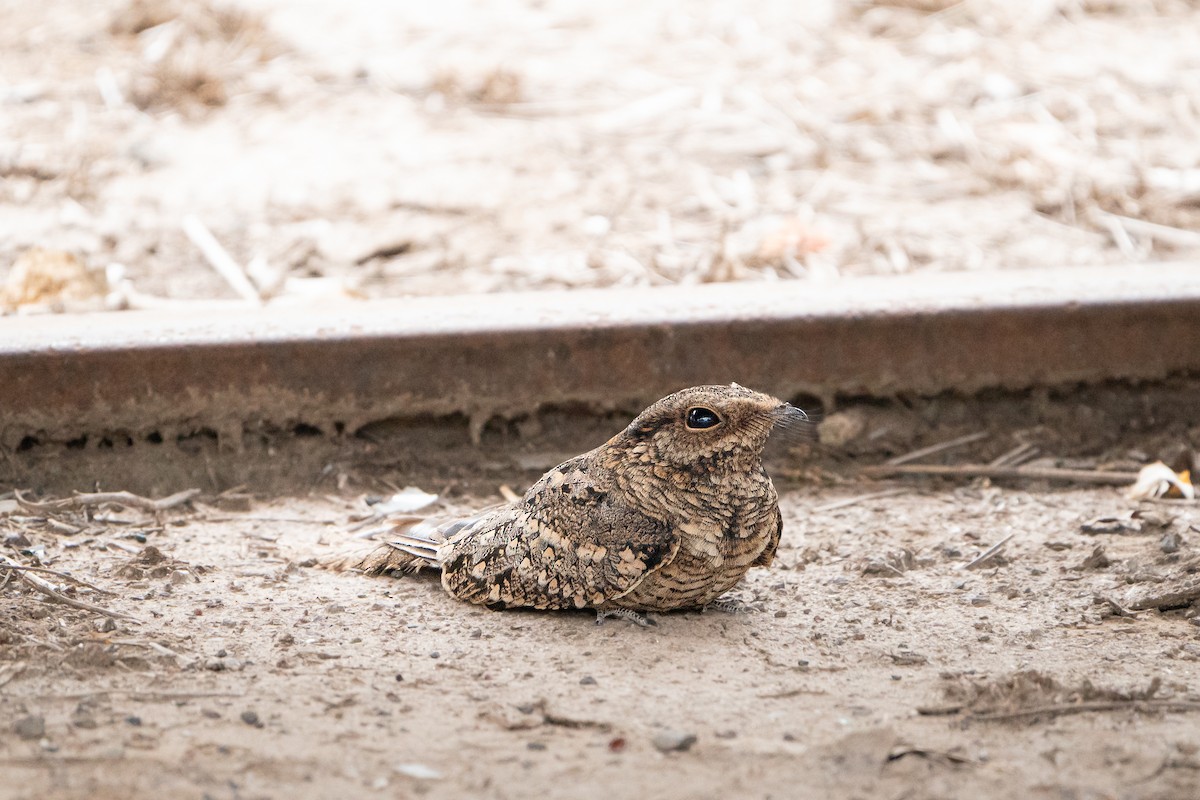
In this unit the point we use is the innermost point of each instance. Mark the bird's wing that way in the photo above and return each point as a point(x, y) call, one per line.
point(768, 554)
point(569, 543)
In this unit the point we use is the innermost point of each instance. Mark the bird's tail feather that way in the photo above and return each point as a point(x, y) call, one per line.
point(409, 549)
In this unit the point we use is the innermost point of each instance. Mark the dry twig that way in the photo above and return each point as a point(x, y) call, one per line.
point(45, 588)
point(64, 575)
point(219, 259)
point(127, 499)
point(155, 646)
point(1175, 237)
point(128, 548)
point(1060, 709)
point(1019, 454)
point(938, 448)
point(987, 554)
point(63, 527)
point(862, 498)
point(1090, 476)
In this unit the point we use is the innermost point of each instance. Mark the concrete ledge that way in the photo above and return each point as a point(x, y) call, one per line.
point(223, 366)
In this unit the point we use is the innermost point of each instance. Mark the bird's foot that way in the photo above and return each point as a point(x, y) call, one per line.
point(637, 618)
point(730, 605)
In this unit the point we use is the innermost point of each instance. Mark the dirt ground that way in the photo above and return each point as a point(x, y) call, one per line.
point(402, 148)
point(366, 149)
point(872, 660)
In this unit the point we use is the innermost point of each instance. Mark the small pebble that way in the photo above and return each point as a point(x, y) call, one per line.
point(673, 741)
point(1170, 542)
point(85, 721)
point(210, 714)
point(105, 625)
point(980, 600)
point(133, 720)
point(587, 680)
point(780, 614)
point(435, 654)
point(31, 727)
point(251, 718)
point(535, 746)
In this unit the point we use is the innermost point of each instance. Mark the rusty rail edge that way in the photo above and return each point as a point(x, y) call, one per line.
point(223, 366)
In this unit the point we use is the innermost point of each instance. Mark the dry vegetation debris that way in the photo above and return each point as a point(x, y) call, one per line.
point(1029, 695)
point(191, 56)
point(393, 152)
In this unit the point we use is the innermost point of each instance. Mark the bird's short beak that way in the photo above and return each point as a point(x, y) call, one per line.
point(786, 412)
point(791, 424)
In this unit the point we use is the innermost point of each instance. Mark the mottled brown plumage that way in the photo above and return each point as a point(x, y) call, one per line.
point(668, 514)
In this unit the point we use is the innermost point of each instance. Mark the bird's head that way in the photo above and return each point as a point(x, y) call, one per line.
point(706, 429)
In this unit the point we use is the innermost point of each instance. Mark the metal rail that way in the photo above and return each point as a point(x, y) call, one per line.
point(343, 365)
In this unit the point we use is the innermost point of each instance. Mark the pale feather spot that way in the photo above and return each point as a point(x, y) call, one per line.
point(591, 552)
point(631, 569)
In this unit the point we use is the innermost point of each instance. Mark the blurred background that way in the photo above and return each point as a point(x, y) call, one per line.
point(368, 149)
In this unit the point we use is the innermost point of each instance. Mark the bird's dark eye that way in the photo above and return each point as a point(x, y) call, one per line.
point(700, 417)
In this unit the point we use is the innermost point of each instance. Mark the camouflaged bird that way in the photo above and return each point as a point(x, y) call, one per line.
point(668, 514)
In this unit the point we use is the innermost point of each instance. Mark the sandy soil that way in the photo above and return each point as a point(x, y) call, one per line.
point(871, 662)
point(391, 149)
point(466, 146)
